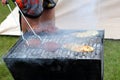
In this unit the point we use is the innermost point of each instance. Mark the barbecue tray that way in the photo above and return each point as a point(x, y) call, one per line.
point(35, 63)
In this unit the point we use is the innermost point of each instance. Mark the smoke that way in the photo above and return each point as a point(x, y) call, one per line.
point(89, 15)
point(92, 19)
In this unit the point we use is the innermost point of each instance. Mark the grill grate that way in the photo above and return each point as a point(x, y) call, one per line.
point(21, 50)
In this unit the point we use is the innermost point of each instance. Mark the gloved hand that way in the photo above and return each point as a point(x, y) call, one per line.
point(30, 8)
point(48, 4)
point(33, 8)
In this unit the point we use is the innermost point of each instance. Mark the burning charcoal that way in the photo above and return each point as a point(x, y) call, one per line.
point(99, 46)
point(95, 45)
point(72, 55)
point(83, 57)
point(93, 55)
point(97, 52)
point(80, 54)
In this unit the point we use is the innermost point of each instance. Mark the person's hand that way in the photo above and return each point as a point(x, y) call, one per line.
point(4, 2)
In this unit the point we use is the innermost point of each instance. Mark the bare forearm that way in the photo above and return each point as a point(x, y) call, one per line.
point(48, 15)
point(47, 20)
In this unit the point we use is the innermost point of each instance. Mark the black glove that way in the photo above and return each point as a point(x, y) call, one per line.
point(48, 4)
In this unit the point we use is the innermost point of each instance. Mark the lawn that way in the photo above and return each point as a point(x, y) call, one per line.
point(111, 54)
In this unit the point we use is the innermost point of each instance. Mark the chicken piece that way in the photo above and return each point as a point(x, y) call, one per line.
point(78, 48)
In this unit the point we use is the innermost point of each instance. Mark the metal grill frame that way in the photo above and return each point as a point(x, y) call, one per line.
point(7, 60)
point(61, 51)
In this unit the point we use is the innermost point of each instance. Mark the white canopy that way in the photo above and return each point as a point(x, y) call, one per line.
point(78, 14)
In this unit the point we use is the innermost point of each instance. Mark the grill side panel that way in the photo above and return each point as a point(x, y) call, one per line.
point(55, 69)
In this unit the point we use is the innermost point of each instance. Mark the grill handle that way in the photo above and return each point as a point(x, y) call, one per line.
point(21, 32)
point(27, 22)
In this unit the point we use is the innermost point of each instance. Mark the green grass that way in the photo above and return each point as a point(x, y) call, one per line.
point(6, 42)
point(111, 54)
point(4, 11)
point(112, 60)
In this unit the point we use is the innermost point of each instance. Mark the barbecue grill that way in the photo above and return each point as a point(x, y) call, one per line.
point(36, 63)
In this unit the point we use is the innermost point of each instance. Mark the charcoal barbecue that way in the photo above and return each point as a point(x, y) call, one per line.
point(36, 63)
point(45, 58)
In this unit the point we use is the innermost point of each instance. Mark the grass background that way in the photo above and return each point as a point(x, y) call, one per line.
point(111, 53)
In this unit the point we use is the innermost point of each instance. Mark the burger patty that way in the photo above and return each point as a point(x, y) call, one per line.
point(34, 42)
point(51, 46)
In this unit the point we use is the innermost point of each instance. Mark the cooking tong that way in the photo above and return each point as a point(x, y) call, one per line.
point(21, 32)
